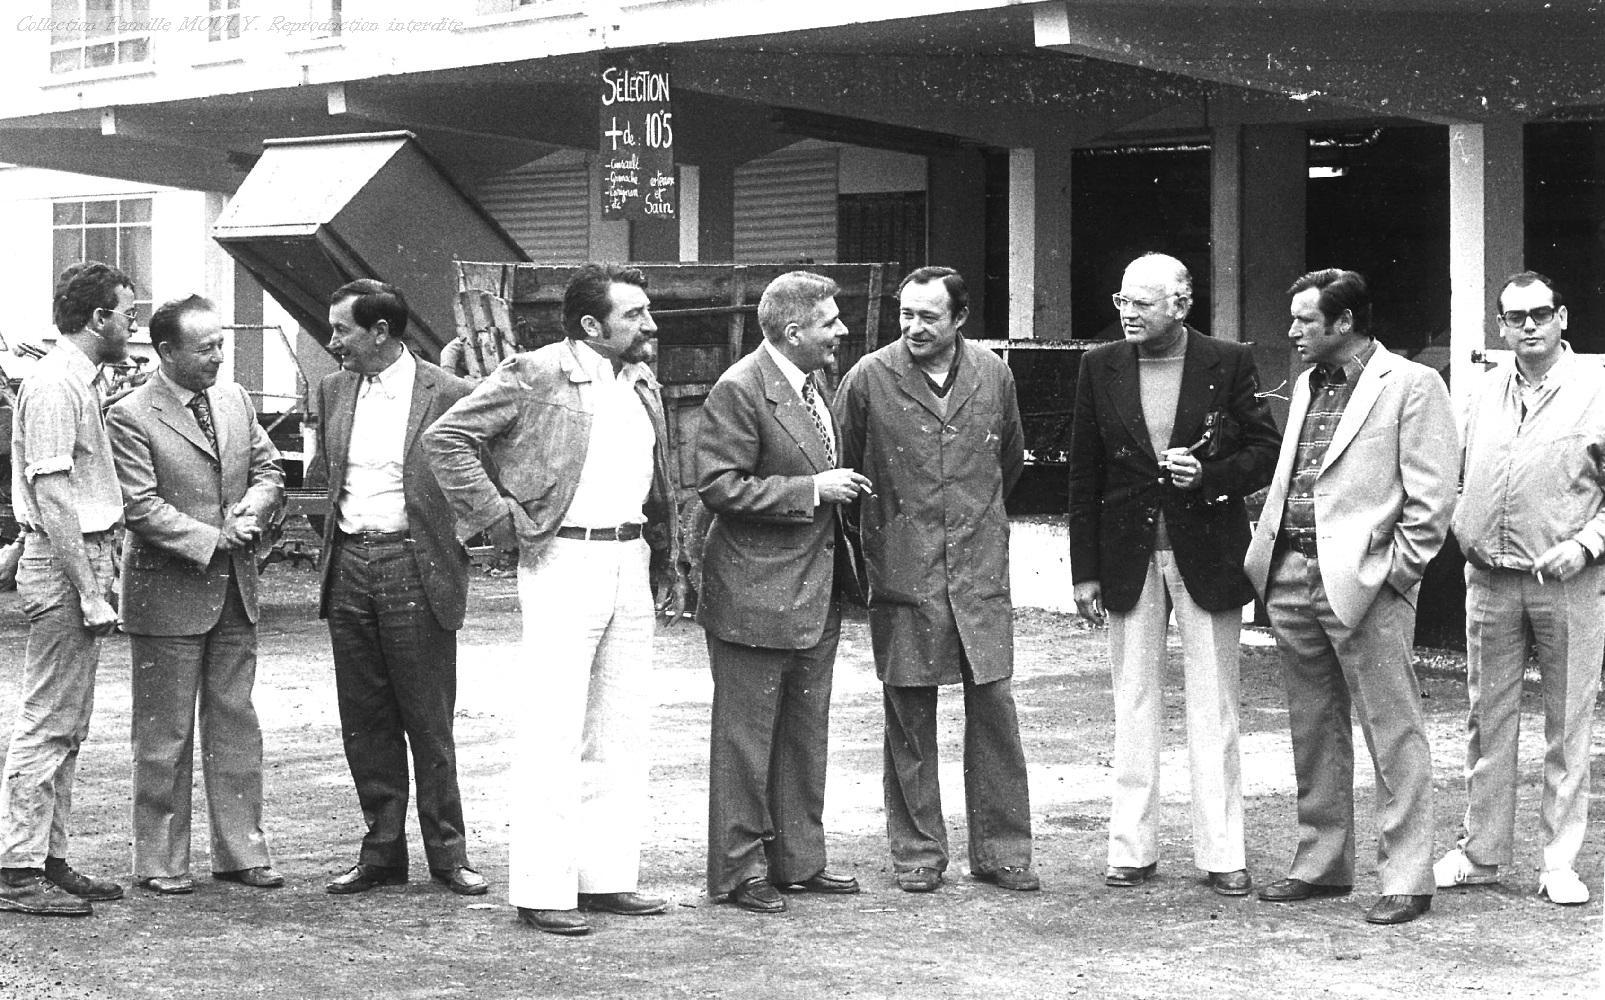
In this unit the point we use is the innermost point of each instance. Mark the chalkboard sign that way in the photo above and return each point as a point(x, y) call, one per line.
point(637, 126)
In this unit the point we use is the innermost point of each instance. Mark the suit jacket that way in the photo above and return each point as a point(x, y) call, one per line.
point(768, 564)
point(1117, 489)
point(176, 493)
point(1386, 489)
point(935, 532)
point(442, 560)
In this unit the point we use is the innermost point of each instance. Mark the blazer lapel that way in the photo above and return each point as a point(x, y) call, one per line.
point(791, 413)
point(423, 397)
point(1365, 396)
point(1198, 373)
point(343, 412)
point(1126, 395)
point(173, 412)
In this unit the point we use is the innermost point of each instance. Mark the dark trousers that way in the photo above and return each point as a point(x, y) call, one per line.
point(395, 673)
point(996, 797)
point(766, 760)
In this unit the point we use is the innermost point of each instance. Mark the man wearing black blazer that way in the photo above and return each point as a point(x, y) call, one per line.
point(1169, 435)
point(394, 588)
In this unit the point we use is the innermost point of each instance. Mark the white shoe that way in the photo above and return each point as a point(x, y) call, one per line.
point(1455, 869)
point(1562, 886)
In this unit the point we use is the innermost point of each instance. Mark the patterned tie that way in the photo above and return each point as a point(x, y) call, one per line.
point(202, 409)
point(819, 422)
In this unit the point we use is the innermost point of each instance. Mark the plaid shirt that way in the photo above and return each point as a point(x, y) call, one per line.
point(1330, 390)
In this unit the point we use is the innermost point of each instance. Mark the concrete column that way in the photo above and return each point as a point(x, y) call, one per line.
point(1039, 242)
point(956, 224)
point(1486, 237)
point(1270, 190)
point(1226, 232)
point(690, 182)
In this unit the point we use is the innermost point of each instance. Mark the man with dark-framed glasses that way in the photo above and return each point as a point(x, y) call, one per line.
point(1531, 521)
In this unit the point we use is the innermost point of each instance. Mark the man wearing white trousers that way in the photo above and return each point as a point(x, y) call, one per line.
point(576, 433)
point(1168, 437)
point(1531, 521)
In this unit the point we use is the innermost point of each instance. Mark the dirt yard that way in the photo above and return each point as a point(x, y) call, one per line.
point(1076, 938)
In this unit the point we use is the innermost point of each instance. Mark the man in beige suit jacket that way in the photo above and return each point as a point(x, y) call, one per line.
point(199, 478)
point(1360, 503)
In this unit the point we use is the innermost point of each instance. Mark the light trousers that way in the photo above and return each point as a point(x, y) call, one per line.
point(1137, 656)
point(56, 701)
point(1566, 620)
point(580, 698)
point(1329, 667)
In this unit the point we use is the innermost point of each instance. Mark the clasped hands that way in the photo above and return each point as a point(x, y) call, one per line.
point(239, 530)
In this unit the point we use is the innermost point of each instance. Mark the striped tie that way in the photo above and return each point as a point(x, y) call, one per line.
point(819, 422)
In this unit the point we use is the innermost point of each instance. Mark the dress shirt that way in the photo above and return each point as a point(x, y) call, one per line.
point(1331, 387)
point(617, 473)
point(1533, 455)
point(58, 427)
point(372, 498)
point(795, 377)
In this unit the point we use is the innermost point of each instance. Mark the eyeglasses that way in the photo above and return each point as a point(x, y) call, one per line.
point(1121, 302)
point(1517, 318)
point(131, 313)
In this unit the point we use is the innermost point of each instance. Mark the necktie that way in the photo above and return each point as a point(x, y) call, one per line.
point(202, 409)
point(810, 399)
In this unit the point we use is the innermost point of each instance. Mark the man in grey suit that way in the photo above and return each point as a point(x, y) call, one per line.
point(394, 588)
point(1360, 503)
point(198, 476)
point(767, 469)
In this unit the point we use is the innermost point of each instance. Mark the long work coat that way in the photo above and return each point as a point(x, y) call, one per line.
point(936, 538)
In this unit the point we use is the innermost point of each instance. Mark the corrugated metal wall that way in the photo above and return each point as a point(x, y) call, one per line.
point(786, 207)
point(546, 209)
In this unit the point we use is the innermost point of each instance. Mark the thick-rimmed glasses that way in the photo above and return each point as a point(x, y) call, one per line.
point(1517, 318)
point(1122, 302)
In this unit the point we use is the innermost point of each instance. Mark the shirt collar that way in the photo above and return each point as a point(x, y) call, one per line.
point(599, 366)
point(1327, 375)
point(77, 361)
point(1558, 372)
point(794, 375)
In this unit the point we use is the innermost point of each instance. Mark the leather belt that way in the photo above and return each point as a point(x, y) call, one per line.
point(374, 537)
point(623, 533)
point(1303, 544)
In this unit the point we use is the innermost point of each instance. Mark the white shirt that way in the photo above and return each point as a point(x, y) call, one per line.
point(617, 474)
point(372, 498)
point(795, 377)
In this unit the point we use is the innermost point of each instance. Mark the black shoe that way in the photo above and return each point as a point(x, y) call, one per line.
point(1397, 909)
point(566, 922)
point(1124, 878)
point(630, 904)
point(62, 875)
point(462, 880)
point(363, 877)
point(1296, 890)
point(921, 879)
point(828, 883)
point(758, 896)
point(1235, 883)
point(27, 890)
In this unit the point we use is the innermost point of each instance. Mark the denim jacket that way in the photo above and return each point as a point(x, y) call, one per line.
point(531, 418)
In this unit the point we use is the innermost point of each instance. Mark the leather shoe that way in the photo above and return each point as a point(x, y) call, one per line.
point(260, 877)
point(64, 877)
point(825, 882)
point(462, 880)
point(1235, 883)
point(567, 922)
point(920, 879)
point(630, 904)
point(1296, 890)
point(363, 877)
point(1397, 909)
point(1020, 878)
point(27, 890)
point(757, 895)
point(168, 885)
point(1124, 878)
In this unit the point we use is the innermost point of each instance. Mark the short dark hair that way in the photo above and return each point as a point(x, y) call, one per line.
point(375, 301)
point(958, 295)
point(1339, 290)
point(1522, 279)
point(166, 323)
point(82, 289)
point(588, 293)
point(792, 298)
